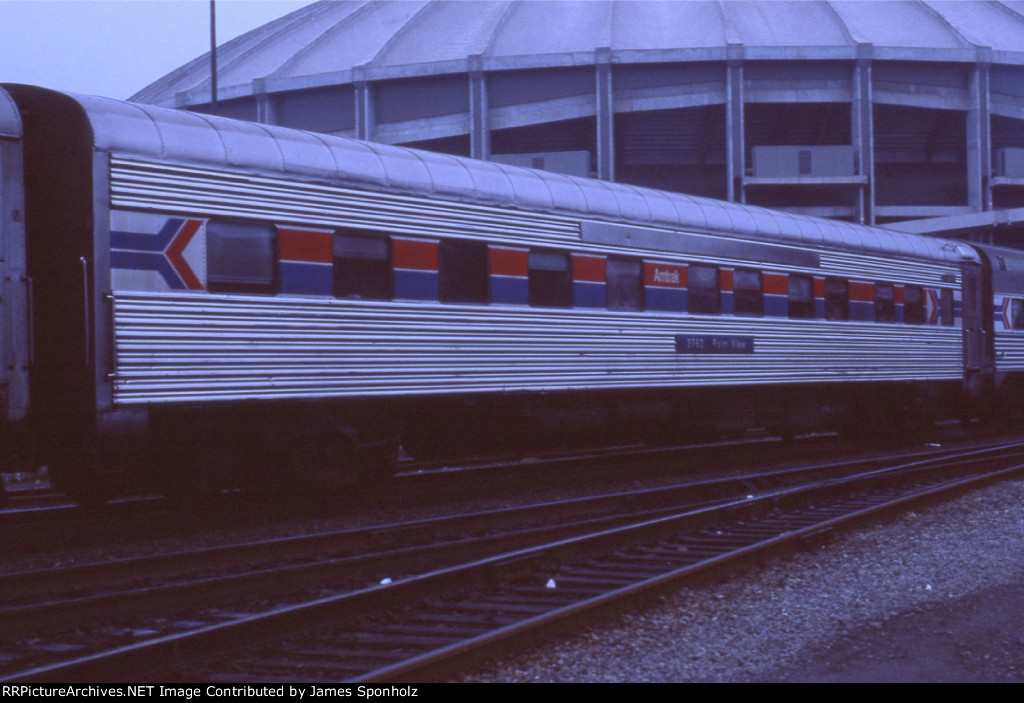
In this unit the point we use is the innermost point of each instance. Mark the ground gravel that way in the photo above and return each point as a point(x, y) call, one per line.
point(931, 596)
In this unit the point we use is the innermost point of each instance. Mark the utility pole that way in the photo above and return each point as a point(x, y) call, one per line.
point(213, 56)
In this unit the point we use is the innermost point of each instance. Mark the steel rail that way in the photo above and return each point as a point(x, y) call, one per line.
point(447, 660)
point(385, 540)
point(155, 653)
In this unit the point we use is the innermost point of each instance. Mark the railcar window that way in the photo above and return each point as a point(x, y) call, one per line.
point(240, 256)
point(837, 299)
point(946, 305)
point(550, 279)
point(885, 302)
point(704, 290)
point(801, 297)
point(463, 272)
point(913, 305)
point(625, 289)
point(748, 295)
point(1017, 314)
point(362, 266)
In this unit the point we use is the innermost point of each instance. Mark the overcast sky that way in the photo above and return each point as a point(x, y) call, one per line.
point(116, 47)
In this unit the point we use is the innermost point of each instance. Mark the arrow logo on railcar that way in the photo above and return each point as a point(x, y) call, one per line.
point(163, 252)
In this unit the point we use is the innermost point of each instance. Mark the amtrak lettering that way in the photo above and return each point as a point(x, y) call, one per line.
point(661, 276)
point(664, 275)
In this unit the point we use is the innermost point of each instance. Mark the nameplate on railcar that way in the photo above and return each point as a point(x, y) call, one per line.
point(713, 344)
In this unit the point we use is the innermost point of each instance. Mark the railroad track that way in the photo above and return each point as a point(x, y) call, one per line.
point(78, 595)
point(33, 521)
point(447, 602)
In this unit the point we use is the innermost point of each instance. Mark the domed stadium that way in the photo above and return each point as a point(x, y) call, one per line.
point(873, 112)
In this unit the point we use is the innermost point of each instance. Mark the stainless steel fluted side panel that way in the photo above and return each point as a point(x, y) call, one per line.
point(873, 269)
point(196, 348)
point(171, 188)
point(1009, 351)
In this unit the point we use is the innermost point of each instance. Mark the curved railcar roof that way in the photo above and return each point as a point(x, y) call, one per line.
point(10, 120)
point(192, 138)
point(1007, 268)
point(327, 42)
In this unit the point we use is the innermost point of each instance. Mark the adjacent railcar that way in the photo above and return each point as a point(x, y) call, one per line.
point(1003, 285)
point(214, 300)
point(14, 284)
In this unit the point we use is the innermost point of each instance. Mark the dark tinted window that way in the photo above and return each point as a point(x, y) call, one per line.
point(362, 266)
point(946, 304)
point(885, 302)
point(801, 297)
point(550, 279)
point(1017, 314)
point(240, 256)
point(837, 299)
point(748, 297)
point(913, 305)
point(804, 162)
point(625, 287)
point(704, 297)
point(463, 272)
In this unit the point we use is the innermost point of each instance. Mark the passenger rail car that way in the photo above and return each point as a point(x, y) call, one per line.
point(204, 299)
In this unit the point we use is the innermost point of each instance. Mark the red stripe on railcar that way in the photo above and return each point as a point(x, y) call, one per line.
point(510, 262)
point(775, 284)
point(305, 245)
point(414, 254)
point(725, 280)
point(588, 268)
point(862, 292)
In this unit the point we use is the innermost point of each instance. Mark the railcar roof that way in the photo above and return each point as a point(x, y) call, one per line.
point(10, 121)
point(1007, 268)
point(180, 136)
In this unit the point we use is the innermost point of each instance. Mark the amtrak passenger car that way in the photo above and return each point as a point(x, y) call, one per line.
point(207, 300)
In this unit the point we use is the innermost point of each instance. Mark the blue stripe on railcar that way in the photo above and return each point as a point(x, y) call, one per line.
point(776, 305)
point(588, 294)
point(304, 278)
point(415, 285)
point(146, 261)
point(727, 306)
point(670, 299)
point(514, 290)
point(862, 311)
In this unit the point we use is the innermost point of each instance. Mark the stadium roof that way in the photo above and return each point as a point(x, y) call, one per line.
point(331, 43)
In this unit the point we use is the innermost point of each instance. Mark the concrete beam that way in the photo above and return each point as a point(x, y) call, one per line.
point(962, 222)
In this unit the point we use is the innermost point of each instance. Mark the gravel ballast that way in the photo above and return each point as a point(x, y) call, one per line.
point(935, 596)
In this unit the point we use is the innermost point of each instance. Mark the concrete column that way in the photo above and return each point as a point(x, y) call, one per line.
point(479, 124)
point(605, 115)
point(979, 135)
point(863, 123)
point(266, 112)
point(735, 144)
point(365, 119)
